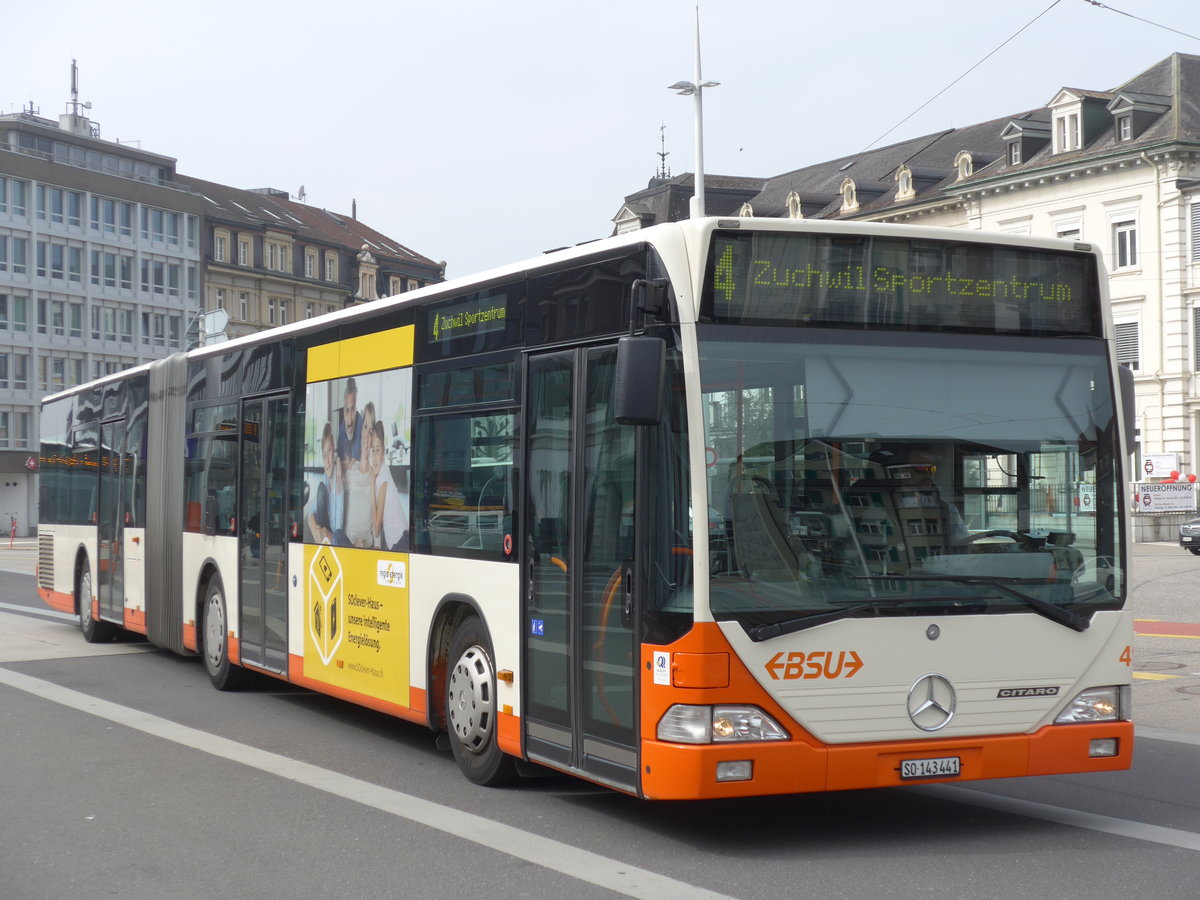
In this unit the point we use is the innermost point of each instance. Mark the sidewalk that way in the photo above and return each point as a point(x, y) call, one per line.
point(21, 557)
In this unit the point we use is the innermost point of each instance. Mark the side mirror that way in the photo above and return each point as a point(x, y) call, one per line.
point(641, 368)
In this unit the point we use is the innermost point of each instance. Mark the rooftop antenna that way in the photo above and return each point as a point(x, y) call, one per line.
point(696, 89)
point(75, 106)
point(664, 171)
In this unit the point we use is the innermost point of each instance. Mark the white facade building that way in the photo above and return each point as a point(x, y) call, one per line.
point(1117, 168)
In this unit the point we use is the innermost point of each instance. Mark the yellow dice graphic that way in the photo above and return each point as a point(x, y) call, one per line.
point(326, 603)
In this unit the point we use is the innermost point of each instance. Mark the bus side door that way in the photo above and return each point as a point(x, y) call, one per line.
point(578, 620)
point(263, 520)
point(110, 523)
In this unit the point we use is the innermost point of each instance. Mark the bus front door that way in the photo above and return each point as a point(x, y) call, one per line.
point(110, 524)
point(263, 515)
point(578, 618)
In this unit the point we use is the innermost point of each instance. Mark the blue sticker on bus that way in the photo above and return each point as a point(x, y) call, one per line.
point(538, 626)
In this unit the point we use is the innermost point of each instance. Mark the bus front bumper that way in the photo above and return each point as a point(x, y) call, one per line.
point(688, 772)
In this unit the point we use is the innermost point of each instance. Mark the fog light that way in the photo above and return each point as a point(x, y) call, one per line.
point(737, 770)
point(1103, 747)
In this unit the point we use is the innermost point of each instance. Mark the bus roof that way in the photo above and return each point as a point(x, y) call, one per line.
point(693, 232)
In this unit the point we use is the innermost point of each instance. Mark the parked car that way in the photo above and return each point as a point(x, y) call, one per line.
point(1104, 572)
point(1189, 535)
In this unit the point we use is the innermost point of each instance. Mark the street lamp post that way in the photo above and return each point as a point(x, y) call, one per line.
point(696, 89)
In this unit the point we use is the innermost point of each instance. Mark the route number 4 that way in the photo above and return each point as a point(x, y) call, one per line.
point(1127, 657)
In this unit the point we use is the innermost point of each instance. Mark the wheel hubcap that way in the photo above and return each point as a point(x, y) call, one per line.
point(214, 633)
point(85, 598)
point(472, 709)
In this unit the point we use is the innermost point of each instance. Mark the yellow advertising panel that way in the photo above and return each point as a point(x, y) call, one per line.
point(357, 437)
point(356, 620)
point(391, 349)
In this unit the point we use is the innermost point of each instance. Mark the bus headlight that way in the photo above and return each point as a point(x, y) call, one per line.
point(686, 724)
point(1101, 704)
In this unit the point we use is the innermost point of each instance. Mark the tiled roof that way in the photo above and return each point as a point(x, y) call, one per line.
point(275, 210)
point(1172, 84)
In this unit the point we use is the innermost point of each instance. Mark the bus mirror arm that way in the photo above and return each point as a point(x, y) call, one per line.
point(649, 297)
point(1128, 410)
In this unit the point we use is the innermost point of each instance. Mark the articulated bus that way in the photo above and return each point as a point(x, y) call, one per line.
point(719, 508)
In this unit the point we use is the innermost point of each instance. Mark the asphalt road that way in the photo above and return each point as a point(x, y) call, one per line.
point(122, 773)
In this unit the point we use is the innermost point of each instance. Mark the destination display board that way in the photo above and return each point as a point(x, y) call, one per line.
point(488, 319)
point(891, 282)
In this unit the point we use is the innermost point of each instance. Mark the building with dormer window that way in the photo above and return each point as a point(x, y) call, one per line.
point(270, 260)
point(1117, 168)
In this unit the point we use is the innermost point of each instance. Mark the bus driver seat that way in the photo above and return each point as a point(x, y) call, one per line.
point(763, 548)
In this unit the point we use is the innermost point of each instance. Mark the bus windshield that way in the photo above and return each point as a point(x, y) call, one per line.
point(905, 473)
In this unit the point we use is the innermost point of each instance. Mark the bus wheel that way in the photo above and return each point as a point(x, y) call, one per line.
point(471, 708)
point(223, 674)
point(94, 631)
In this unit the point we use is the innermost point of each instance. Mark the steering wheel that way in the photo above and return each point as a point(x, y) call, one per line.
point(1015, 536)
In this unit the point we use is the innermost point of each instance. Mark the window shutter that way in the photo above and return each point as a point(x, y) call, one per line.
point(1196, 232)
point(1196, 336)
point(1127, 344)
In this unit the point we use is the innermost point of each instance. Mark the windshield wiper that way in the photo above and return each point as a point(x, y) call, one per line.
point(800, 623)
point(1051, 611)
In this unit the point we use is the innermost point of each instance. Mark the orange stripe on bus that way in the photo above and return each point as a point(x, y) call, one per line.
point(416, 696)
point(508, 733)
point(58, 600)
point(135, 620)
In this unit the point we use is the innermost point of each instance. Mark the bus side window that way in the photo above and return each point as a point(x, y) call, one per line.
point(463, 484)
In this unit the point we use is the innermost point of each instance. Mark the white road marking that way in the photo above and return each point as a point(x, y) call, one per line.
point(583, 865)
point(1174, 837)
point(34, 611)
point(51, 635)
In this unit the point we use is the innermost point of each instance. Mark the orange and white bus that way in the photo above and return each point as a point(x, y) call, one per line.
point(719, 508)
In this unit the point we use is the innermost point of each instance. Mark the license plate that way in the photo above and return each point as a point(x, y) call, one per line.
point(940, 767)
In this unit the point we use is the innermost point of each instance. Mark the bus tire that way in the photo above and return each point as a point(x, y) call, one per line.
point(214, 632)
point(94, 631)
point(471, 707)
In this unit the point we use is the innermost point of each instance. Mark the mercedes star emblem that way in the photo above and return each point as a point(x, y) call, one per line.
point(931, 702)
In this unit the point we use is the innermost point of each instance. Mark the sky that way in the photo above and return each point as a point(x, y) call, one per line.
point(483, 133)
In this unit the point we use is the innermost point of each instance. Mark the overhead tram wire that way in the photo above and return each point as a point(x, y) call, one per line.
point(960, 77)
point(1122, 12)
point(1095, 3)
